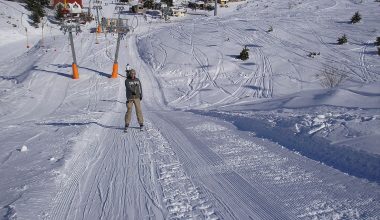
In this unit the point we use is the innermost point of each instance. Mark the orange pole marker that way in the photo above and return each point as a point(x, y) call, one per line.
point(99, 30)
point(115, 70)
point(75, 71)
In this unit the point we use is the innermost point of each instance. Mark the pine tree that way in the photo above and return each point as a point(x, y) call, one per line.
point(40, 11)
point(30, 5)
point(244, 55)
point(59, 12)
point(356, 18)
point(168, 2)
point(36, 18)
point(44, 2)
point(36, 7)
point(148, 4)
point(342, 40)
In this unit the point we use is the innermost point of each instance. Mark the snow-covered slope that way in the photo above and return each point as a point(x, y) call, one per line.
point(224, 138)
point(279, 84)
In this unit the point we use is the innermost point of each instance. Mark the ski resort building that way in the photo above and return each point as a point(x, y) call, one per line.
point(223, 3)
point(178, 11)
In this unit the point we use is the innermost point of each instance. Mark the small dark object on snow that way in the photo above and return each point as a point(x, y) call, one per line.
point(244, 55)
point(313, 54)
point(356, 18)
point(342, 40)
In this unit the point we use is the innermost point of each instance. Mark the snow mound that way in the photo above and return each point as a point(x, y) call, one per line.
point(363, 97)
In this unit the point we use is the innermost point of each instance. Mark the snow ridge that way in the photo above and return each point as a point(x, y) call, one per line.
point(358, 163)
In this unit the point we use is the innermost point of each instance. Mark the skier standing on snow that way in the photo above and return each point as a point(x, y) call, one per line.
point(134, 96)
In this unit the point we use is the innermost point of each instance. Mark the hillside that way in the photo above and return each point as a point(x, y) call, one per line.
point(223, 138)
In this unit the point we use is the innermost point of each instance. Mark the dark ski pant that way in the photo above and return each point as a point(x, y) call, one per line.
point(128, 114)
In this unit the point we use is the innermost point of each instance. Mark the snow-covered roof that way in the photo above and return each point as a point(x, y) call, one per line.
point(178, 9)
point(133, 3)
point(74, 8)
point(55, 2)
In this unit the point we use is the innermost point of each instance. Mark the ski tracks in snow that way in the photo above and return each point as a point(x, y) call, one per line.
point(127, 176)
point(260, 80)
point(113, 175)
point(231, 195)
point(287, 184)
point(106, 177)
point(189, 166)
point(182, 197)
point(202, 78)
point(341, 58)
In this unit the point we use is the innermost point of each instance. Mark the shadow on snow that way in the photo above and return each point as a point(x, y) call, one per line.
point(67, 124)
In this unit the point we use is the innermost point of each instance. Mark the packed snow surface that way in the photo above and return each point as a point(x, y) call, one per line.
point(223, 139)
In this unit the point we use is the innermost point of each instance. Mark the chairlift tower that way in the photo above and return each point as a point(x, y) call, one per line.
point(121, 28)
point(71, 25)
point(43, 22)
point(27, 38)
point(216, 8)
point(26, 31)
point(98, 6)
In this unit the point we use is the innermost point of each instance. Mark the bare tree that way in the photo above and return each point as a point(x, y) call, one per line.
point(331, 77)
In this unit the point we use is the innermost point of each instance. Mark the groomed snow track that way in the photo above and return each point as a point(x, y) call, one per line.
point(185, 164)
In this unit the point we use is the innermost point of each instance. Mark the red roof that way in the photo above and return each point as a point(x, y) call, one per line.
point(67, 2)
